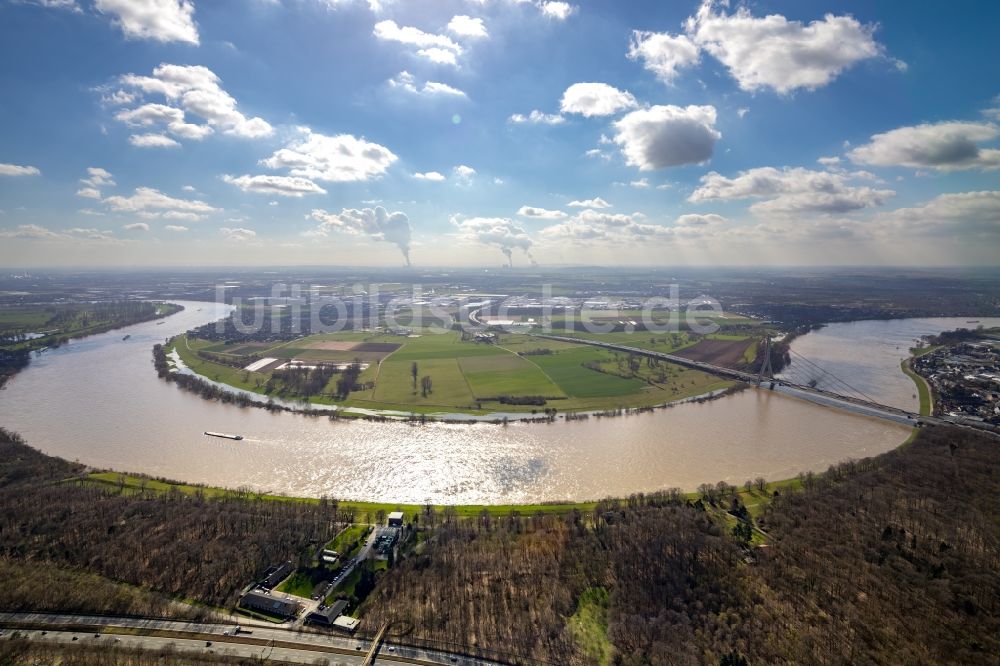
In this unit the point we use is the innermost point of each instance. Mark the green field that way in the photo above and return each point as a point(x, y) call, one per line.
point(507, 375)
point(466, 376)
point(567, 370)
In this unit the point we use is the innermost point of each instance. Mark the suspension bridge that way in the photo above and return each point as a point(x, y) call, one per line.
point(800, 380)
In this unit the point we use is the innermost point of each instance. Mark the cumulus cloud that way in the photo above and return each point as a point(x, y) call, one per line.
point(98, 177)
point(286, 186)
point(175, 228)
point(152, 141)
point(590, 226)
point(89, 193)
point(338, 159)
point(194, 90)
point(466, 26)
point(463, 174)
point(18, 170)
point(665, 136)
point(440, 49)
point(946, 146)
point(541, 213)
point(136, 226)
point(966, 215)
point(536, 117)
point(238, 234)
point(596, 99)
point(376, 223)
point(159, 20)
point(781, 54)
point(432, 176)
point(792, 190)
point(499, 232)
point(556, 9)
point(148, 202)
point(406, 81)
point(663, 54)
point(596, 202)
point(760, 52)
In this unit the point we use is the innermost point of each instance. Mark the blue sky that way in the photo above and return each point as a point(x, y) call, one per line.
point(482, 132)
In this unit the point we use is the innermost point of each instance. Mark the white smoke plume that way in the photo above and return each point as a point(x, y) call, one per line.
point(376, 222)
point(500, 232)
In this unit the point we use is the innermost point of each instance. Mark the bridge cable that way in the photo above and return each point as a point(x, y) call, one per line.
point(835, 378)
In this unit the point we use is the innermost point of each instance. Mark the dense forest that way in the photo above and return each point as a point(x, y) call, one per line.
point(894, 559)
point(196, 547)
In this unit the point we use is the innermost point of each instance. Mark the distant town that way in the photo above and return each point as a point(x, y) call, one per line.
point(963, 370)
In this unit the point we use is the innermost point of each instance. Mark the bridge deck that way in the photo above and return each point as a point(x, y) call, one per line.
point(828, 398)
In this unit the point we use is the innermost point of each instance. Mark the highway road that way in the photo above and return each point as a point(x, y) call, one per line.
point(286, 644)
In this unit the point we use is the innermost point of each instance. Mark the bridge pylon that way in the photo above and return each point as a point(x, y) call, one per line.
point(766, 372)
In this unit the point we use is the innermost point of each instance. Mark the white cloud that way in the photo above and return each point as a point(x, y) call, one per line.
point(189, 188)
point(499, 232)
point(57, 4)
point(432, 176)
point(536, 117)
point(596, 99)
point(152, 141)
point(642, 183)
point(792, 191)
point(176, 215)
point(76, 234)
point(18, 170)
point(541, 213)
point(663, 54)
point(376, 222)
point(463, 173)
point(406, 81)
point(664, 136)
point(238, 234)
point(89, 193)
point(194, 90)
point(592, 226)
point(776, 53)
point(98, 177)
point(286, 186)
point(30, 231)
point(175, 228)
point(700, 220)
point(339, 159)
point(159, 20)
point(596, 202)
point(556, 9)
point(149, 202)
point(947, 146)
point(971, 216)
point(136, 226)
point(769, 52)
point(439, 56)
point(829, 161)
point(466, 26)
point(742, 111)
point(993, 111)
point(440, 49)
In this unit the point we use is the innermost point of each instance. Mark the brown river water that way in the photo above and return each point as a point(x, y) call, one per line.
point(99, 401)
